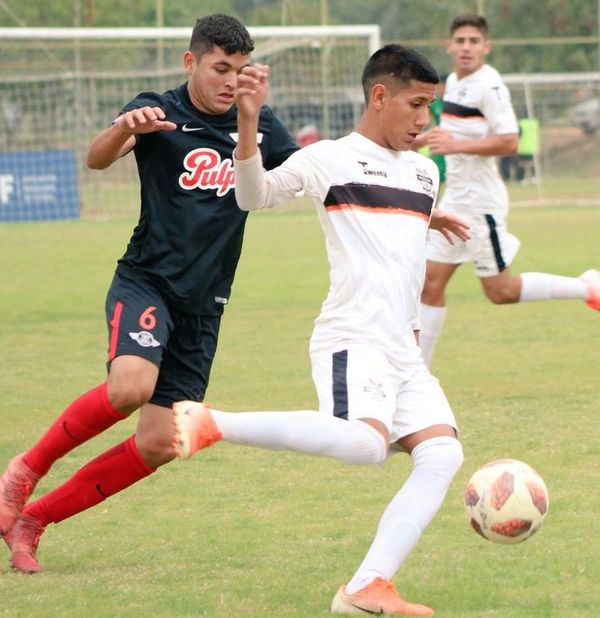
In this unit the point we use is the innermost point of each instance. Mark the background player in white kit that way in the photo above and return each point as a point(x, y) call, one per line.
point(374, 197)
point(478, 124)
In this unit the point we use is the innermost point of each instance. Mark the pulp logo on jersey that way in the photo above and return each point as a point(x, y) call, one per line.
point(206, 170)
point(187, 129)
point(368, 172)
point(425, 180)
point(145, 339)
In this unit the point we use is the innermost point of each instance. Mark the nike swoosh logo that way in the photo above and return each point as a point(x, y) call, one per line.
point(187, 129)
point(99, 490)
point(362, 610)
point(66, 430)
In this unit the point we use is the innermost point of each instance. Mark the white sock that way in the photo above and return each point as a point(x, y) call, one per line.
point(542, 286)
point(432, 322)
point(304, 431)
point(436, 461)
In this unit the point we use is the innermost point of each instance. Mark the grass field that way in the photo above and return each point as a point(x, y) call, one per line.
point(245, 533)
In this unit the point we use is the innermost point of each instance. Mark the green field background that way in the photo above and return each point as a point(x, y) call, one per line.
point(238, 532)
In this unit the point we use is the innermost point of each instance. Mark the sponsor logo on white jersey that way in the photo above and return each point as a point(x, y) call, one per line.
point(206, 170)
point(368, 172)
point(425, 180)
point(145, 339)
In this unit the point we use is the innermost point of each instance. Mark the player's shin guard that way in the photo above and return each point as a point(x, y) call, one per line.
point(111, 472)
point(86, 417)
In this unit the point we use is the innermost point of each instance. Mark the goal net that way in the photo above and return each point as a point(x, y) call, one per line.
point(564, 166)
point(59, 87)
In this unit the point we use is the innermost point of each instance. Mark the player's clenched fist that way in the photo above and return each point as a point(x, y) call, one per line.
point(252, 88)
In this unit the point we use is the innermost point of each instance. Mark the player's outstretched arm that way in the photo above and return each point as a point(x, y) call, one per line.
point(251, 95)
point(112, 143)
point(443, 142)
point(255, 188)
point(448, 224)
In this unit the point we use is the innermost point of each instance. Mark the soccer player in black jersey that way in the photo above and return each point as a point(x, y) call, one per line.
point(165, 303)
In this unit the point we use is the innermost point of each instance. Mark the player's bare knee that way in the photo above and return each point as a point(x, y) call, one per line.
point(503, 290)
point(502, 296)
point(155, 449)
point(433, 293)
point(128, 398)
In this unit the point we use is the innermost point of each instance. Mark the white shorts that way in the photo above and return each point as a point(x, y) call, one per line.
point(361, 383)
point(491, 247)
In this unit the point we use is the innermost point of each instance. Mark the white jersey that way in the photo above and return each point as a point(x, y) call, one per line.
point(374, 206)
point(476, 106)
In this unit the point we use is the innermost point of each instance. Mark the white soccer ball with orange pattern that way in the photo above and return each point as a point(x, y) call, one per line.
point(506, 501)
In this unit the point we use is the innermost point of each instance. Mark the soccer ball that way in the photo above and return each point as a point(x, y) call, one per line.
point(506, 501)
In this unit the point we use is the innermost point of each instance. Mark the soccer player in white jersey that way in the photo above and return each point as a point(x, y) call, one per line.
point(478, 124)
point(374, 197)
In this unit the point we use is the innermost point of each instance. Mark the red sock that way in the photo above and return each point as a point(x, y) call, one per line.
point(85, 418)
point(111, 472)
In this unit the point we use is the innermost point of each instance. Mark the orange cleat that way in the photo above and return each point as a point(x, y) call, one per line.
point(378, 597)
point(16, 485)
point(592, 279)
point(23, 540)
point(195, 428)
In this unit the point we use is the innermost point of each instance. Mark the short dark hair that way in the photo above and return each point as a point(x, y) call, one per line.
point(398, 63)
point(469, 19)
point(224, 31)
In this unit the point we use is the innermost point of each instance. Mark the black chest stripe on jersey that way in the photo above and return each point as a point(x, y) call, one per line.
point(378, 199)
point(462, 111)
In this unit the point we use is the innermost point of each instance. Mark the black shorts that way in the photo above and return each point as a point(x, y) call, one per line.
point(182, 345)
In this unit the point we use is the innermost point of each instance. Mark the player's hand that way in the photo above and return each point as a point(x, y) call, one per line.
point(448, 224)
point(252, 89)
point(440, 141)
point(420, 140)
point(144, 120)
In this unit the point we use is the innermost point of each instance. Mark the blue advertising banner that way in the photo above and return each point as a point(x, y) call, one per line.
point(38, 185)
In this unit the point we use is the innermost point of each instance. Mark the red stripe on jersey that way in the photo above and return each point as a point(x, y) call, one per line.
point(378, 209)
point(114, 330)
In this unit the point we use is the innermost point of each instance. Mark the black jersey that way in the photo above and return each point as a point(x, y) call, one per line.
point(188, 240)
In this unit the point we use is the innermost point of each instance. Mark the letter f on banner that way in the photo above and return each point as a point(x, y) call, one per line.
point(7, 186)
